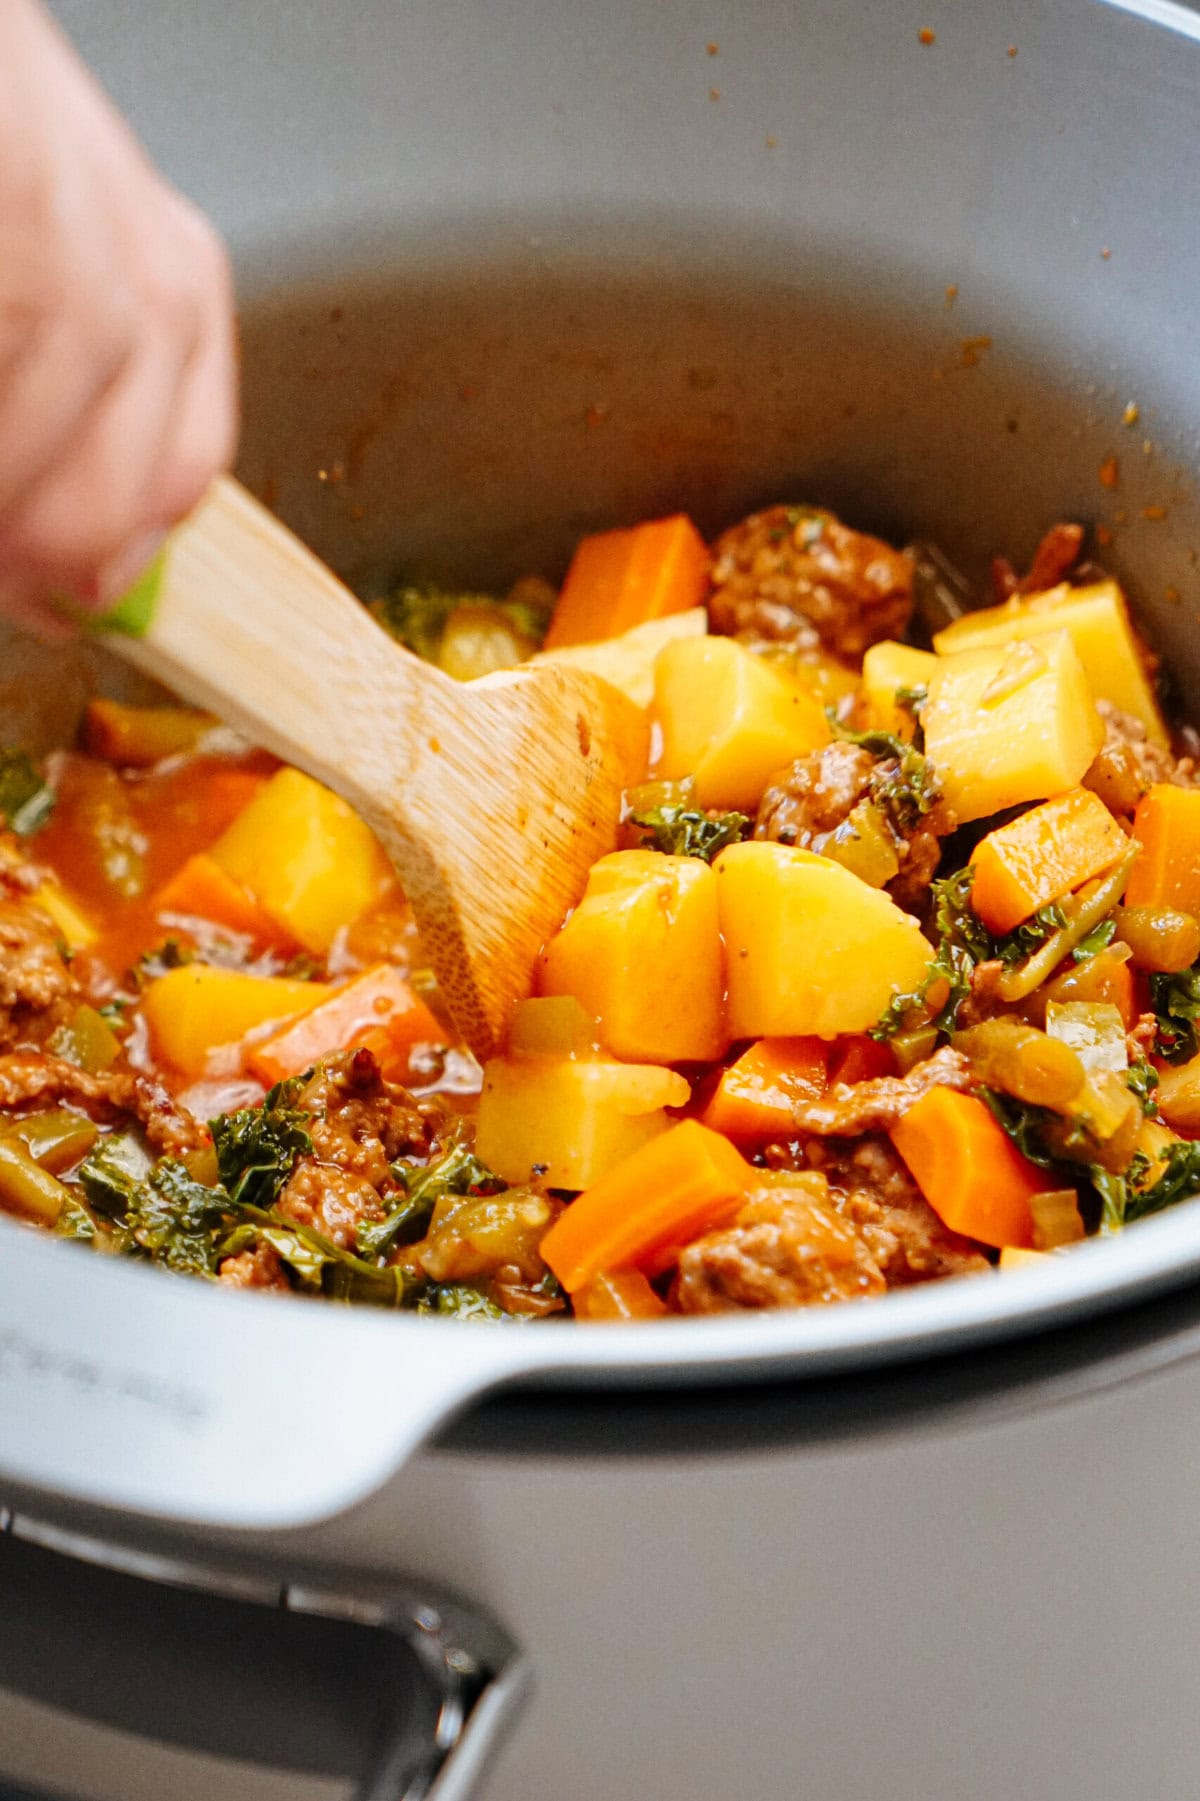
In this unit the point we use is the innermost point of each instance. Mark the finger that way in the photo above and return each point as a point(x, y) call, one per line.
point(204, 434)
point(60, 371)
point(92, 502)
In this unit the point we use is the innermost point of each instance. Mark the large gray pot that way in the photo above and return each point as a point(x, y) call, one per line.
point(509, 274)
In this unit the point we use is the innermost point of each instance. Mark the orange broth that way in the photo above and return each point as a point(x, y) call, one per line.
point(117, 836)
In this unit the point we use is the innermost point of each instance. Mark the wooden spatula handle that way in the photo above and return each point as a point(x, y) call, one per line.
point(492, 798)
point(250, 624)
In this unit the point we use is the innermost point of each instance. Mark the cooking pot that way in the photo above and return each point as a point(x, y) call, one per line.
point(508, 275)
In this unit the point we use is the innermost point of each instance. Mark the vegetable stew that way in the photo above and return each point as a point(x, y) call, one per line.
point(894, 975)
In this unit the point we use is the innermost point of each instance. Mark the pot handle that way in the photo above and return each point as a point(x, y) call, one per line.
point(125, 1387)
point(123, 1674)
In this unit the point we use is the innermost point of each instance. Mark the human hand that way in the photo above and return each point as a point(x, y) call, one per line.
point(117, 370)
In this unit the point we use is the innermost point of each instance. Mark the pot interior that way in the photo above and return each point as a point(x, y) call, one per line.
point(463, 405)
point(467, 415)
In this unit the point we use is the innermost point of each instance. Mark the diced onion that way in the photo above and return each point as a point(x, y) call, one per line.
point(1056, 1219)
point(1094, 1030)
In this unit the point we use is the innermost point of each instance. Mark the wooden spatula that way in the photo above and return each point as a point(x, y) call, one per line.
point(492, 798)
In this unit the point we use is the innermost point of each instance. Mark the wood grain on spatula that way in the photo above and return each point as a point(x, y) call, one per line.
point(492, 798)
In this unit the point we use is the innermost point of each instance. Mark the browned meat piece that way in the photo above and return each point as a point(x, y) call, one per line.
point(18, 876)
point(919, 857)
point(984, 1000)
point(871, 1187)
point(786, 1248)
point(37, 988)
point(511, 1291)
point(331, 1200)
point(1127, 763)
point(27, 1076)
point(259, 1268)
point(875, 1106)
point(363, 1121)
point(807, 806)
point(815, 796)
point(167, 1126)
point(1053, 560)
point(792, 573)
point(1140, 1041)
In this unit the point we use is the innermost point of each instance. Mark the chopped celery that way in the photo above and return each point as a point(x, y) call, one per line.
point(87, 1040)
point(55, 1139)
point(26, 1188)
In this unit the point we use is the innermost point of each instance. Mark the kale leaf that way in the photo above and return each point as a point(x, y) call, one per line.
point(1024, 939)
point(1025, 1124)
point(1142, 1078)
point(257, 1147)
point(1179, 1180)
point(1176, 1003)
point(170, 954)
point(112, 1170)
point(75, 1220)
point(951, 965)
point(913, 698)
point(959, 924)
point(1063, 1145)
point(26, 801)
point(905, 793)
point(459, 1300)
point(687, 832)
point(456, 1171)
point(956, 921)
point(176, 1220)
point(1095, 941)
point(963, 942)
point(317, 1265)
point(159, 1210)
point(416, 614)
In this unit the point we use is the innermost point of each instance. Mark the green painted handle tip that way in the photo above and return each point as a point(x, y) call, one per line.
point(132, 615)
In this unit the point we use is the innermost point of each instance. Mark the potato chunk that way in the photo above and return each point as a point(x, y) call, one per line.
point(194, 1010)
point(1009, 724)
point(628, 660)
point(810, 949)
point(729, 720)
point(571, 1119)
point(306, 857)
point(642, 953)
point(888, 666)
point(1098, 621)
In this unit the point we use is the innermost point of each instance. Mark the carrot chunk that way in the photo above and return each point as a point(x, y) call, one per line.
point(1167, 871)
point(858, 1058)
point(1041, 856)
point(624, 578)
point(972, 1175)
point(754, 1098)
point(200, 889)
point(377, 1009)
point(688, 1181)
